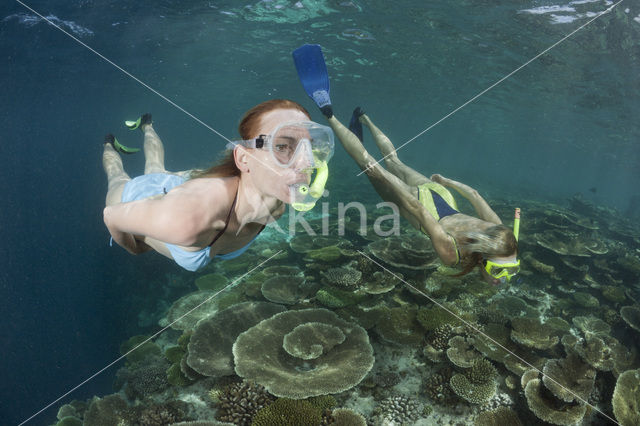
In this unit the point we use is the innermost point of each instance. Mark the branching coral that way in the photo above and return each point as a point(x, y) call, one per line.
point(288, 412)
point(238, 403)
point(398, 409)
point(343, 276)
point(472, 392)
point(147, 380)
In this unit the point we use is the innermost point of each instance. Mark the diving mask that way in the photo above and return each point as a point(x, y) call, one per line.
point(299, 144)
point(504, 271)
point(306, 146)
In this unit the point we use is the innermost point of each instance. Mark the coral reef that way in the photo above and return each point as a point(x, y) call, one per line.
point(381, 282)
point(532, 333)
point(569, 379)
point(400, 325)
point(191, 308)
point(547, 408)
point(288, 412)
point(312, 339)
point(602, 352)
point(69, 421)
point(626, 398)
point(408, 252)
point(146, 380)
point(343, 276)
point(213, 282)
point(332, 297)
point(475, 393)
point(397, 409)
point(592, 325)
point(210, 347)
point(281, 270)
point(285, 289)
point(156, 414)
point(631, 315)
point(501, 416)
point(238, 403)
point(436, 386)
point(346, 417)
point(461, 352)
point(259, 356)
point(108, 411)
point(138, 349)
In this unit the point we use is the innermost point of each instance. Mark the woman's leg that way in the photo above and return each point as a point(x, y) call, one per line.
point(387, 185)
point(116, 176)
point(391, 160)
point(153, 151)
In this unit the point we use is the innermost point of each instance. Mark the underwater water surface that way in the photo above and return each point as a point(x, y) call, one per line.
point(558, 138)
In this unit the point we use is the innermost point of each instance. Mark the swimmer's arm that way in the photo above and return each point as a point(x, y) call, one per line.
point(172, 219)
point(442, 242)
point(485, 212)
point(126, 240)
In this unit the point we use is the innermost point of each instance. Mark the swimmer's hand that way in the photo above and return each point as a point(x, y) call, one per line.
point(372, 169)
point(439, 179)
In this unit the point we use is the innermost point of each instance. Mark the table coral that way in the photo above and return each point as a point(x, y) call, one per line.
point(259, 355)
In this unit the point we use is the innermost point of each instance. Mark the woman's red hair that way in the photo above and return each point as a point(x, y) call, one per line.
point(248, 129)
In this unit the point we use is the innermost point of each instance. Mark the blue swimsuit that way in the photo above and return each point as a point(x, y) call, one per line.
point(146, 186)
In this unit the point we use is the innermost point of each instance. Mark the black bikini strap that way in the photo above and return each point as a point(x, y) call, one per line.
point(227, 221)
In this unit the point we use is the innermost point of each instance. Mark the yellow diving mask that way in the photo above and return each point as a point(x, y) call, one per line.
point(504, 271)
point(501, 271)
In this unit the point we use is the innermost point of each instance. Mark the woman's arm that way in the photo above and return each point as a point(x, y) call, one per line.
point(442, 242)
point(485, 212)
point(177, 218)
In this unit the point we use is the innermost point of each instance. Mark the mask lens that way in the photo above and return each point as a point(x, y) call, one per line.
point(301, 141)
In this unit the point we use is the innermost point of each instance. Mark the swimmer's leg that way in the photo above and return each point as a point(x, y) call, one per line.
point(116, 176)
point(408, 175)
point(153, 148)
point(388, 186)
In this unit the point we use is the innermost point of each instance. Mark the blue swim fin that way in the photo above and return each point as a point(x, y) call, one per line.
point(313, 75)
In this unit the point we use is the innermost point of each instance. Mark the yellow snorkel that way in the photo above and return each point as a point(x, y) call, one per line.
point(516, 223)
point(306, 196)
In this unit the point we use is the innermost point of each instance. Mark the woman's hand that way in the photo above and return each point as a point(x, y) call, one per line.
point(439, 179)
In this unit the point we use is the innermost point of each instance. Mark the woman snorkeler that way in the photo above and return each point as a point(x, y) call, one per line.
point(193, 216)
point(458, 239)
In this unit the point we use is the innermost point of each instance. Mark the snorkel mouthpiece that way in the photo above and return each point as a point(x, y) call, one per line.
point(516, 223)
point(305, 197)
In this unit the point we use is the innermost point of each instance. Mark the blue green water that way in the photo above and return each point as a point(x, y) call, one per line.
point(565, 124)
